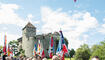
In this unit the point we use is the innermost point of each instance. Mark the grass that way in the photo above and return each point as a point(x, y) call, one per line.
point(66, 59)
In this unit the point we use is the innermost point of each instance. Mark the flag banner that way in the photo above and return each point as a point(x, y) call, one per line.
point(40, 50)
point(35, 50)
point(62, 49)
point(43, 54)
point(51, 47)
point(5, 43)
point(8, 50)
point(39, 47)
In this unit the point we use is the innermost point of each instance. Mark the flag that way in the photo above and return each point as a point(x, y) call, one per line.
point(59, 47)
point(11, 52)
point(35, 50)
point(75, 0)
point(39, 47)
point(43, 54)
point(64, 48)
point(8, 50)
point(4, 50)
point(5, 43)
point(51, 47)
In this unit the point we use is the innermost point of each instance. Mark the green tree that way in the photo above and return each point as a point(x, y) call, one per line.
point(99, 50)
point(83, 53)
point(14, 44)
point(94, 48)
point(1, 49)
point(71, 53)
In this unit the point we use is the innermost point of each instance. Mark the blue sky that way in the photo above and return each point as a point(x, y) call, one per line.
point(81, 22)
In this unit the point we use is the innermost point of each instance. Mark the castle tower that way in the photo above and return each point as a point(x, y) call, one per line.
point(28, 34)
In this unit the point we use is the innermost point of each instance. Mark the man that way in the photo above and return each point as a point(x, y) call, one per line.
point(95, 58)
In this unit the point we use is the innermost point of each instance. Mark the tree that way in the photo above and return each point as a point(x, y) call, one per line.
point(14, 44)
point(99, 50)
point(83, 53)
point(94, 48)
point(71, 53)
point(1, 49)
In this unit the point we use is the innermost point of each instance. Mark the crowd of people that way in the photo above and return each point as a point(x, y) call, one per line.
point(5, 57)
point(55, 57)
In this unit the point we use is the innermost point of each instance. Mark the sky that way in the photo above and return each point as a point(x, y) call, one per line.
point(82, 22)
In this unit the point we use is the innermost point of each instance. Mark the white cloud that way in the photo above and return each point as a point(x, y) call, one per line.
point(9, 16)
point(102, 27)
point(104, 19)
point(73, 25)
point(10, 37)
point(29, 18)
point(4, 28)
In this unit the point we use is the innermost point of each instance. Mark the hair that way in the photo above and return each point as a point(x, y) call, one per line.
point(55, 57)
point(95, 57)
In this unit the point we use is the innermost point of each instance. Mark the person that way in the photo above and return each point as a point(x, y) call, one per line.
point(4, 57)
point(38, 57)
point(55, 57)
point(44, 59)
point(34, 58)
point(95, 58)
point(0, 57)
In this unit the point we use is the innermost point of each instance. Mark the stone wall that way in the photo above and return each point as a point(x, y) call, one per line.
point(28, 41)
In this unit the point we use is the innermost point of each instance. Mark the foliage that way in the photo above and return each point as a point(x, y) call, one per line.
point(71, 53)
point(83, 53)
point(1, 48)
point(99, 50)
point(14, 45)
point(13, 42)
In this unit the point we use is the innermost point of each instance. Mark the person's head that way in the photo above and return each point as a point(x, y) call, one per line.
point(38, 57)
point(55, 57)
point(34, 58)
point(44, 59)
point(95, 58)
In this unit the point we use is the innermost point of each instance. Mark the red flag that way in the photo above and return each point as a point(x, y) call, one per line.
point(75, 0)
point(51, 55)
point(43, 55)
point(51, 41)
point(4, 49)
point(5, 42)
point(51, 47)
point(9, 50)
point(65, 50)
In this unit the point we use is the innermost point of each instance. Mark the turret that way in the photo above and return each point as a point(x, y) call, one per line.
point(28, 32)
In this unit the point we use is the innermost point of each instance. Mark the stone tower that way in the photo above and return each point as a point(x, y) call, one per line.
point(28, 34)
